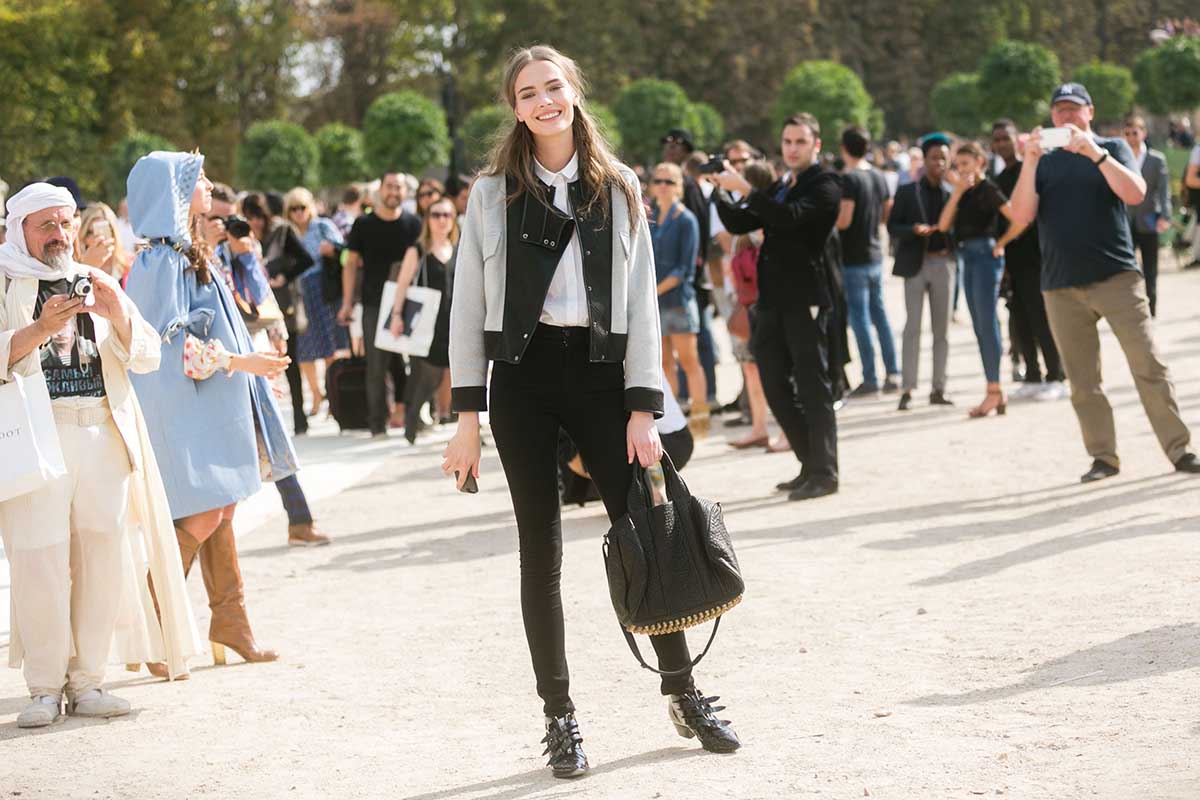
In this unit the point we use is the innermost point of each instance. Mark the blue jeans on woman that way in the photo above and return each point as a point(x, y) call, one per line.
point(981, 282)
point(864, 298)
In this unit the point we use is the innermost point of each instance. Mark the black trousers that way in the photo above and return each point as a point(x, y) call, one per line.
point(556, 385)
point(378, 363)
point(792, 351)
point(421, 385)
point(1147, 244)
point(295, 385)
point(1027, 295)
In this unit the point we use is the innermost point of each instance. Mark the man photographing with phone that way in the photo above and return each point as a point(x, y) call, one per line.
point(1078, 195)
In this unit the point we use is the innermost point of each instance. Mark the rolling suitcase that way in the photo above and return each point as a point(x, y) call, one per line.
point(346, 388)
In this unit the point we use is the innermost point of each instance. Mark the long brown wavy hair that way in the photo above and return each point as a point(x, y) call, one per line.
point(513, 153)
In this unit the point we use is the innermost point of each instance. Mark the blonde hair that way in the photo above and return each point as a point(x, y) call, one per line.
point(425, 240)
point(513, 153)
point(676, 173)
point(99, 211)
point(300, 197)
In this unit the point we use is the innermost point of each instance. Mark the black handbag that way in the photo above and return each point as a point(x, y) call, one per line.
point(670, 566)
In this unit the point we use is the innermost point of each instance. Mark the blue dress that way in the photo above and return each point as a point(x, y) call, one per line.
point(323, 335)
point(205, 433)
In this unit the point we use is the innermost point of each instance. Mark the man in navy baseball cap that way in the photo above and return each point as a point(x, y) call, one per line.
point(1075, 93)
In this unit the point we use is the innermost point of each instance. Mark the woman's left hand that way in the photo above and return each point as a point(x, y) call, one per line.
point(998, 250)
point(642, 440)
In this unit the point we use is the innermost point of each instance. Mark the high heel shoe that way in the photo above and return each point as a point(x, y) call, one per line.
point(230, 627)
point(1000, 406)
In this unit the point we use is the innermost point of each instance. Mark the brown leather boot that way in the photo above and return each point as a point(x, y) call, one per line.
point(223, 579)
point(188, 547)
point(306, 535)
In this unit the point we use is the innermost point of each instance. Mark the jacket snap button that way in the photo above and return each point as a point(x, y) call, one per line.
point(545, 241)
point(526, 336)
point(524, 235)
point(587, 252)
point(552, 244)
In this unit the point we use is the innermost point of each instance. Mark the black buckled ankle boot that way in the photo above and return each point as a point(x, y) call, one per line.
point(564, 745)
point(693, 714)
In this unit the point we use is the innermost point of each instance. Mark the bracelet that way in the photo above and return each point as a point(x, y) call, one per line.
point(1101, 159)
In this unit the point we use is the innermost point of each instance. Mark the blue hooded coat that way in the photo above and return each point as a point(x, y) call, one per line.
point(203, 431)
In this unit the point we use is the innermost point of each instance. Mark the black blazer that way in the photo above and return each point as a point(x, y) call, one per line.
point(907, 211)
point(796, 266)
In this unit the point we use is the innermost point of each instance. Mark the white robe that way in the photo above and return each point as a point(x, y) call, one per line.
point(150, 540)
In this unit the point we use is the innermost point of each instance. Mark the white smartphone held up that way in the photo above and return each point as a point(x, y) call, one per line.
point(1054, 138)
point(101, 228)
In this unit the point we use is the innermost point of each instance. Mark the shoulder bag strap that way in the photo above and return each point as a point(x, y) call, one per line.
point(670, 673)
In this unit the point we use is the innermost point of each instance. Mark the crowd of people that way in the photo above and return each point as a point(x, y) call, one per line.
point(578, 299)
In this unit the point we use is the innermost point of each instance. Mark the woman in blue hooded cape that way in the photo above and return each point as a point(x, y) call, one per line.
point(213, 421)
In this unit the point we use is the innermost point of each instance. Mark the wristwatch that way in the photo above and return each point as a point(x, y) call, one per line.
point(1101, 159)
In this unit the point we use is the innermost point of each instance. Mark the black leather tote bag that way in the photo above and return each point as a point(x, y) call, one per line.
point(670, 566)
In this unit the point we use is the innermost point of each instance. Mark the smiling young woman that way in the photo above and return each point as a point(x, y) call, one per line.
point(555, 284)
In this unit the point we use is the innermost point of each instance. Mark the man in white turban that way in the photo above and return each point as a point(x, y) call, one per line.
point(77, 579)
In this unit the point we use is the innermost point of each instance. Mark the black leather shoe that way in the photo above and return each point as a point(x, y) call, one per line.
point(794, 483)
point(937, 398)
point(890, 385)
point(905, 402)
point(1099, 471)
point(864, 390)
point(1188, 463)
point(812, 488)
point(695, 716)
point(564, 745)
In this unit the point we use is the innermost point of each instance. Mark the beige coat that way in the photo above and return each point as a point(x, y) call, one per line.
point(151, 545)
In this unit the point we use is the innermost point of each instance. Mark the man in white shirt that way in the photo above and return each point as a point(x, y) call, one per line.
point(1152, 217)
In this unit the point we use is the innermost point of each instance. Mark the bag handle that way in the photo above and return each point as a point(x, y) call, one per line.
point(639, 495)
point(670, 673)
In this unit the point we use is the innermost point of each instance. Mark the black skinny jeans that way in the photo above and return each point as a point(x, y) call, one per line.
point(1027, 295)
point(421, 386)
point(295, 385)
point(556, 385)
point(1147, 244)
point(792, 351)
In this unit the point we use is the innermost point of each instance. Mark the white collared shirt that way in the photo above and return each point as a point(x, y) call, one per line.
point(1139, 159)
point(566, 301)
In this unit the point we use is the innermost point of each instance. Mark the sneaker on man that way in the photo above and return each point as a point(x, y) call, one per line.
point(98, 703)
point(43, 711)
point(1026, 391)
point(1051, 391)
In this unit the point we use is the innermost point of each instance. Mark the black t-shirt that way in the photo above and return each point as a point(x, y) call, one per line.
point(1082, 224)
point(381, 243)
point(978, 211)
point(71, 359)
point(869, 191)
point(1024, 251)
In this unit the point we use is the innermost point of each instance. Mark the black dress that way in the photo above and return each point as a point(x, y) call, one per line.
point(437, 275)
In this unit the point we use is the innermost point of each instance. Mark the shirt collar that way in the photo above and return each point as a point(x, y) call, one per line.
point(568, 173)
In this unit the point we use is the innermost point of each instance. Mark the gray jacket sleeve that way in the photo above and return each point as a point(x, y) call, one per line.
point(468, 359)
point(643, 351)
point(1164, 187)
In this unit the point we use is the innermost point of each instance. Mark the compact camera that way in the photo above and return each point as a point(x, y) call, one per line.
point(81, 287)
point(236, 226)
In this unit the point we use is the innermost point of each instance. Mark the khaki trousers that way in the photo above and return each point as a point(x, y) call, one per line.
point(1121, 300)
point(65, 596)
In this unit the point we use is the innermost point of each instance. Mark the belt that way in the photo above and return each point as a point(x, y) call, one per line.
point(82, 417)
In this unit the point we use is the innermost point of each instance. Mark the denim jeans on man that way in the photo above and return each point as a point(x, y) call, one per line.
point(864, 297)
point(981, 281)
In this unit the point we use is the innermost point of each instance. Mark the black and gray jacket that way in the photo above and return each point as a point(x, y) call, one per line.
point(507, 257)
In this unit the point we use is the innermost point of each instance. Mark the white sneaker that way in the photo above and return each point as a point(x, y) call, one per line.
point(98, 703)
point(1054, 390)
point(44, 710)
point(1026, 391)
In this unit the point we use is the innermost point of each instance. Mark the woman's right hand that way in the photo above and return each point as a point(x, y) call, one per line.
point(267, 365)
point(462, 453)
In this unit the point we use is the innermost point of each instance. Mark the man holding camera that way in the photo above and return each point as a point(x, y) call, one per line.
point(1077, 186)
point(795, 339)
point(65, 541)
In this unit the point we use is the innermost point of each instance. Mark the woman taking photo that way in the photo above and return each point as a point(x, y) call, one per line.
point(98, 245)
point(285, 259)
point(430, 262)
point(973, 213)
point(323, 337)
point(554, 283)
point(675, 235)
point(213, 422)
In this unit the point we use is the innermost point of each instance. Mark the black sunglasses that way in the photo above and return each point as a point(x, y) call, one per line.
point(664, 182)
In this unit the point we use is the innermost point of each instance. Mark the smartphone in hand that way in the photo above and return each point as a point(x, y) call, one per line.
point(469, 485)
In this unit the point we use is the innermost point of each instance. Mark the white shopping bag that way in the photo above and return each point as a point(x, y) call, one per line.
point(419, 313)
point(30, 454)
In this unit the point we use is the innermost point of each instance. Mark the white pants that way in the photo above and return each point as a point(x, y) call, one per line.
point(66, 596)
